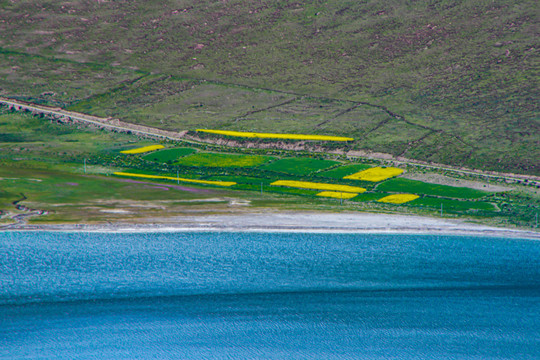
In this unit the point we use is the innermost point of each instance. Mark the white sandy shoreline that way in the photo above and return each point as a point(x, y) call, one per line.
point(297, 222)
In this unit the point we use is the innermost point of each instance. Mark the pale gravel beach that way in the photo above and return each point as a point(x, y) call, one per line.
point(299, 222)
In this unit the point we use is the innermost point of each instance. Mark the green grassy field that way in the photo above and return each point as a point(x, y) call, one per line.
point(298, 166)
point(249, 180)
point(223, 160)
point(452, 205)
point(26, 136)
point(451, 83)
point(401, 185)
point(449, 205)
point(70, 197)
point(278, 190)
point(169, 155)
point(161, 172)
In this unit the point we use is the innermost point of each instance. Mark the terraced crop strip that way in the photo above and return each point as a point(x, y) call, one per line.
point(299, 166)
point(318, 186)
point(159, 177)
point(398, 198)
point(169, 154)
point(337, 195)
point(223, 160)
point(375, 174)
point(276, 136)
point(143, 149)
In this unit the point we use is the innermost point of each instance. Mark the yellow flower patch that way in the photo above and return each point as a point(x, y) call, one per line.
point(318, 186)
point(276, 136)
point(145, 176)
point(143, 149)
point(375, 174)
point(337, 195)
point(398, 198)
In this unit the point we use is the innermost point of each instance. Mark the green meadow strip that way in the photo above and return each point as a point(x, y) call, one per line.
point(419, 187)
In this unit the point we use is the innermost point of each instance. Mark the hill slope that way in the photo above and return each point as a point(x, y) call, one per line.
point(449, 82)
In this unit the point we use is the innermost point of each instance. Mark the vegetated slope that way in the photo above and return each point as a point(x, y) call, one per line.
point(455, 79)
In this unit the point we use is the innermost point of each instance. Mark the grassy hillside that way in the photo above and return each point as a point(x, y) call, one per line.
point(448, 82)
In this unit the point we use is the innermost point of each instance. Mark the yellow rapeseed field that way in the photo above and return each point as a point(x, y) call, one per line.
point(338, 195)
point(398, 198)
point(277, 136)
point(218, 183)
point(375, 174)
point(143, 149)
point(318, 186)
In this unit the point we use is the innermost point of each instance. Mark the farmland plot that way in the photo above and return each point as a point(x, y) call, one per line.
point(342, 171)
point(419, 187)
point(223, 160)
point(318, 186)
point(375, 174)
point(141, 150)
point(299, 166)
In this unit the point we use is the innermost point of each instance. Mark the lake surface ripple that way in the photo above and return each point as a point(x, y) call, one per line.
point(267, 296)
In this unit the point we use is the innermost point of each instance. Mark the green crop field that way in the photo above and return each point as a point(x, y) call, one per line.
point(342, 171)
point(223, 160)
point(401, 185)
point(369, 196)
point(169, 155)
point(298, 166)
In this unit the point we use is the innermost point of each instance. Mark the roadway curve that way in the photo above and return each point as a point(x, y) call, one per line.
point(109, 123)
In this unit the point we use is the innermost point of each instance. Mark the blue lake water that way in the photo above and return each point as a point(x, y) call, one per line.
point(267, 296)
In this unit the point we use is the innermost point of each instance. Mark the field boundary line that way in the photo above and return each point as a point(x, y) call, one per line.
point(265, 109)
